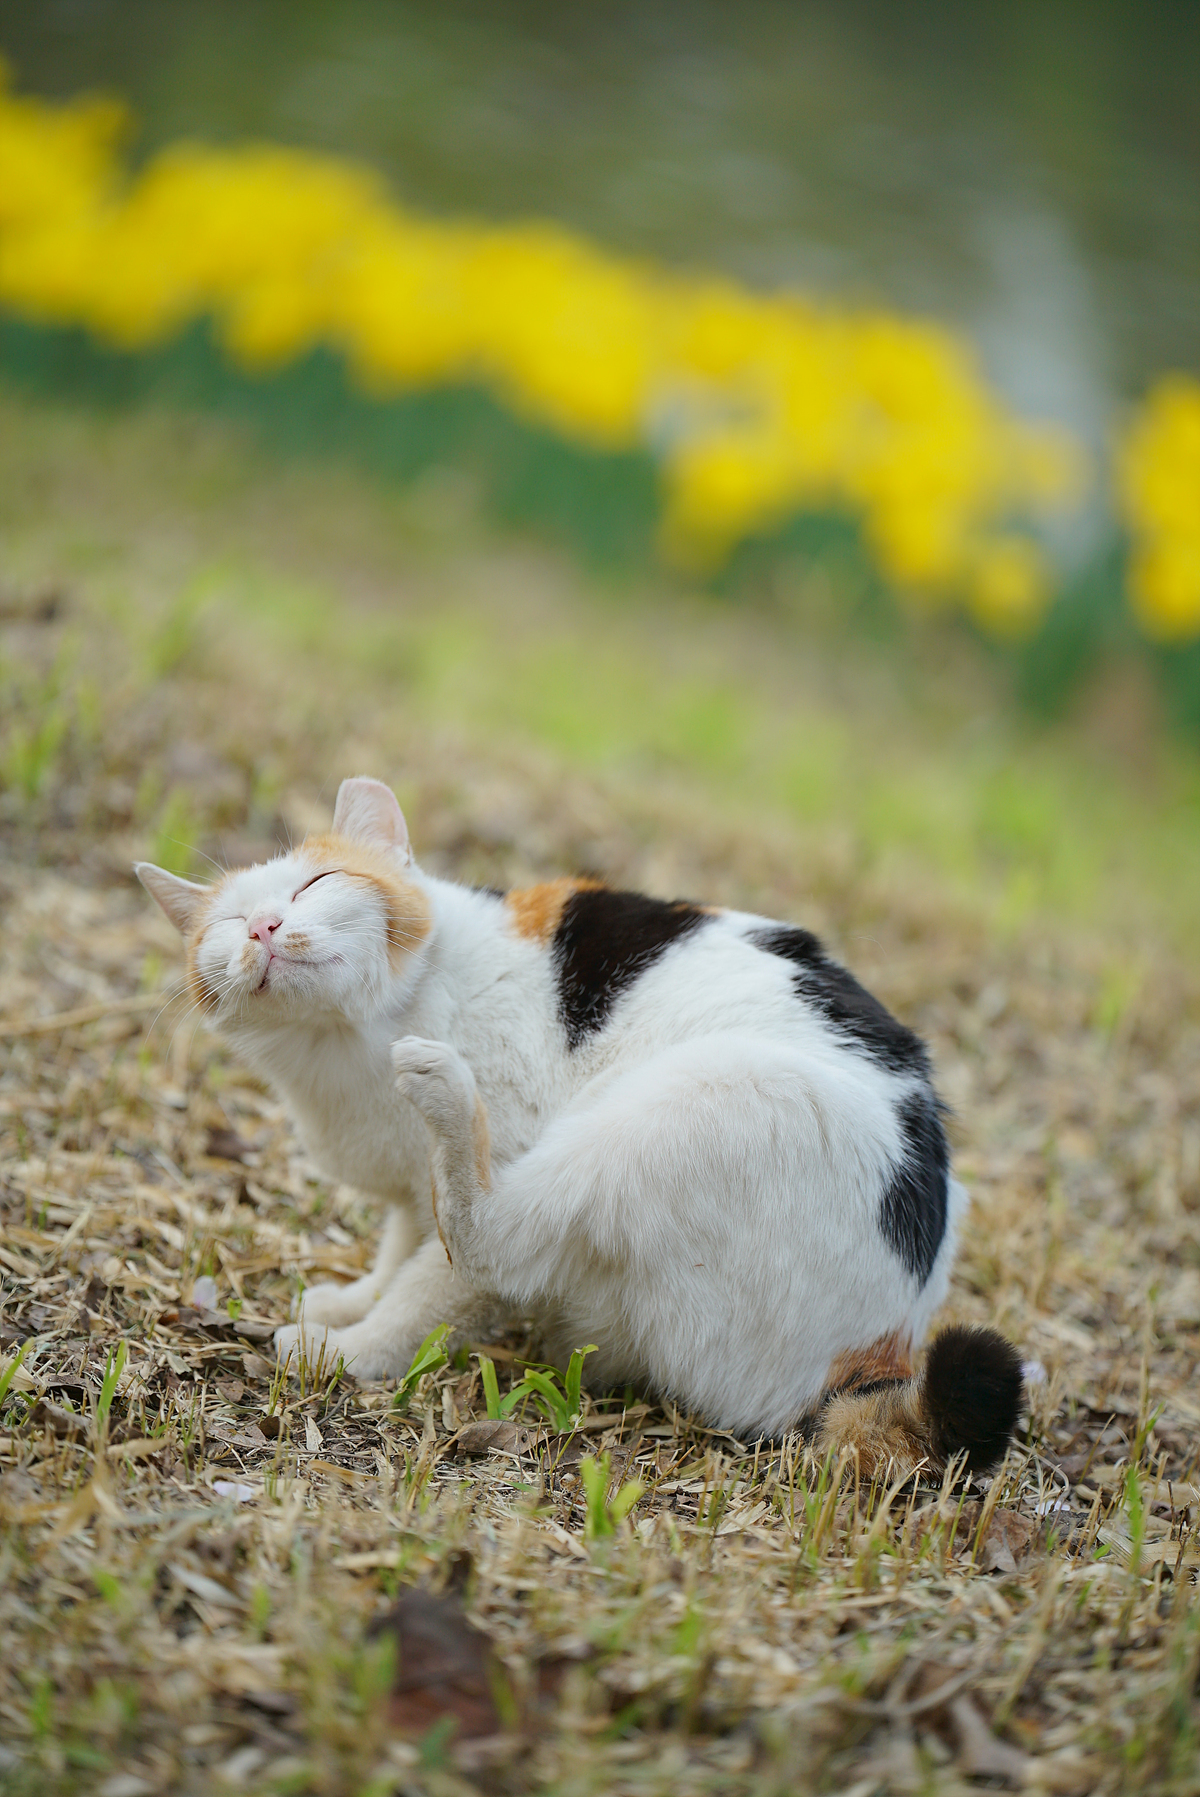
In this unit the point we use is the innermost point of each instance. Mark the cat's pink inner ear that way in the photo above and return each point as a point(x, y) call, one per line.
point(366, 811)
point(182, 900)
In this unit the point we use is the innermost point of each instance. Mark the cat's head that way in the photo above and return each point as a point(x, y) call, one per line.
point(321, 932)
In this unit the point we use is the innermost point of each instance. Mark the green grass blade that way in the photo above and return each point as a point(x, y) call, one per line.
point(574, 1381)
point(112, 1373)
point(624, 1500)
point(594, 1473)
point(491, 1391)
point(7, 1376)
point(429, 1357)
point(511, 1399)
point(552, 1400)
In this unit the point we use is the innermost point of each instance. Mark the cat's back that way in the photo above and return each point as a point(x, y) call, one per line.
point(624, 974)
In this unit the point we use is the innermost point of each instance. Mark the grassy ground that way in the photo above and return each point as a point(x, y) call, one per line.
point(196, 648)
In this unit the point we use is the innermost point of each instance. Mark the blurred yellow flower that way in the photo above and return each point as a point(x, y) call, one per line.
point(1158, 478)
point(1008, 586)
point(756, 407)
point(56, 162)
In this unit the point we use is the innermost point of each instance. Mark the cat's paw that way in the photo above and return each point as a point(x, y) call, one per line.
point(334, 1306)
point(310, 1347)
point(365, 1352)
point(435, 1078)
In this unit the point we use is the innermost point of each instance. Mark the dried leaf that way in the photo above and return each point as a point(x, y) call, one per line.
point(981, 1754)
point(198, 1584)
point(475, 1440)
point(1008, 1544)
point(227, 1145)
point(959, 1717)
point(444, 1667)
point(62, 1422)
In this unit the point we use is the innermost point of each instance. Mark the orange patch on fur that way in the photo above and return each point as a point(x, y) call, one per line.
point(884, 1431)
point(888, 1358)
point(409, 920)
point(202, 996)
point(483, 1146)
point(537, 910)
point(433, 1195)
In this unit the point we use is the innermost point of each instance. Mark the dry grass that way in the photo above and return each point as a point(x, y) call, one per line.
point(189, 1574)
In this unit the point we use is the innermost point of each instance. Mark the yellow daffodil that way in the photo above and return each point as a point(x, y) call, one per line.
point(757, 407)
point(1158, 475)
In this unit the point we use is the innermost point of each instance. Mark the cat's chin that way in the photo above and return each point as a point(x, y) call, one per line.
point(283, 978)
point(286, 997)
point(272, 999)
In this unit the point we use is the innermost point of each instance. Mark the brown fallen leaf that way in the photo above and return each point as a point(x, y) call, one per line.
point(61, 1422)
point(254, 1329)
point(959, 1719)
point(980, 1753)
point(444, 1667)
point(227, 1145)
point(474, 1440)
point(249, 1435)
point(189, 1316)
point(218, 1323)
point(1010, 1540)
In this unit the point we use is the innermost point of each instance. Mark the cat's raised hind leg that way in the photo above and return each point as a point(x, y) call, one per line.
point(436, 1079)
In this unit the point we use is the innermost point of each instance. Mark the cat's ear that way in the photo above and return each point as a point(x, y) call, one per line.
point(366, 811)
point(182, 900)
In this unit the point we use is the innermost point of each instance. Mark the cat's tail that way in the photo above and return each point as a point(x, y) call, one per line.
point(963, 1401)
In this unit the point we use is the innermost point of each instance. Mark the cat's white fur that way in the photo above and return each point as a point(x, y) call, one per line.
point(696, 1187)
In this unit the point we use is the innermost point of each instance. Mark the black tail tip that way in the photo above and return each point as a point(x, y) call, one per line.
point(972, 1393)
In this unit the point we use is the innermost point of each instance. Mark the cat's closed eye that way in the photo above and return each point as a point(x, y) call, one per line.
point(327, 875)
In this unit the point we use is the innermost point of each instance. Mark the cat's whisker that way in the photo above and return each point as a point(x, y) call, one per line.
point(220, 866)
point(169, 999)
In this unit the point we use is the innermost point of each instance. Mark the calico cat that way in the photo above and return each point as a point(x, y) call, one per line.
point(684, 1134)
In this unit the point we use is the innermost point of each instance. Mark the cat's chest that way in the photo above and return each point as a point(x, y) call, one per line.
point(342, 1094)
point(340, 1089)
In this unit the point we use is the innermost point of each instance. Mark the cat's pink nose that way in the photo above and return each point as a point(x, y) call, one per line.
point(264, 928)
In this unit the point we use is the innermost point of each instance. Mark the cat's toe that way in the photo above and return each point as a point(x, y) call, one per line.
point(308, 1346)
point(436, 1079)
point(330, 1305)
point(414, 1054)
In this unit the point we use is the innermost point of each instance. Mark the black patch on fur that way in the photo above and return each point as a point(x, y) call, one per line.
point(604, 942)
point(853, 1011)
point(913, 1213)
point(971, 1393)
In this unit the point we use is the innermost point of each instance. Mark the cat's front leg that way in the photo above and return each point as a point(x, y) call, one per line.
point(337, 1306)
point(436, 1079)
point(424, 1293)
